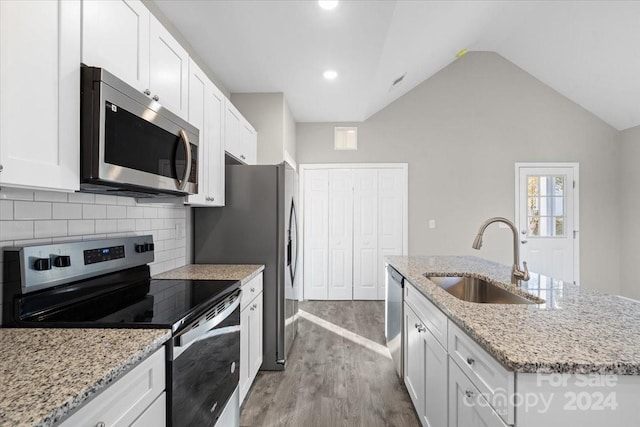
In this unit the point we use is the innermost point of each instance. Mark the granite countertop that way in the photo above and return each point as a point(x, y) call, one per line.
point(45, 373)
point(575, 330)
point(241, 272)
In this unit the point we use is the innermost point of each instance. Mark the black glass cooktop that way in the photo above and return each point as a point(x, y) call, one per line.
point(135, 302)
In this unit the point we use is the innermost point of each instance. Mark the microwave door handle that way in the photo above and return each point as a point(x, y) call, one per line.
point(187, 171)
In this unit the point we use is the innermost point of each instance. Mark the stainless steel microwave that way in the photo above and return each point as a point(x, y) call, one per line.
point(130, 145)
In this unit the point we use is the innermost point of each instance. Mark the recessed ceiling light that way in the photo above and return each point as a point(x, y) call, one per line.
point(330, 74)
point(328, 4)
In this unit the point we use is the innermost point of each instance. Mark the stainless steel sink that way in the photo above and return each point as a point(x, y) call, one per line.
point(477, 290)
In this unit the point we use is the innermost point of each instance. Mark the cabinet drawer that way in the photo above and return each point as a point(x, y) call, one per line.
point(434, 319)
point(124, 401)
point(490, 377)
point(467, 406)
point(250, 290)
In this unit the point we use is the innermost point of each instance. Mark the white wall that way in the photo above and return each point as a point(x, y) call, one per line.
point(630, 207)
point(461, 132)
point(269, 114)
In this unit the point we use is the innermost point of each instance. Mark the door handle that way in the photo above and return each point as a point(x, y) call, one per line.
point(187, 170)
point(524, 242)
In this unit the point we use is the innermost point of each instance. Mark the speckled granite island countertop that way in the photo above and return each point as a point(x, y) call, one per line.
point(242, 272)
point(576, 330)
point(45, 373)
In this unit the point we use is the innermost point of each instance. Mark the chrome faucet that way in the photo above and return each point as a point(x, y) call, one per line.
point(516, 274)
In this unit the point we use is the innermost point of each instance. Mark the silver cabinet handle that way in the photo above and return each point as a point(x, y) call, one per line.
point(422, 329)
point(253, 307)
point(147, 92)
point(101, 424)
point(242, 156)
point(156, 98)
point(253, 289)
point(470, 360)
point(187, 171)
point(1, 168)
point(417, 325)
point(469, 393)
point(524, 242)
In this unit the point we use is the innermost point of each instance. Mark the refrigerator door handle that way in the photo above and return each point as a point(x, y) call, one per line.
point(293, 242)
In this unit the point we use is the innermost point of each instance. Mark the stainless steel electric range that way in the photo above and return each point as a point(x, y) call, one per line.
point(107, 284)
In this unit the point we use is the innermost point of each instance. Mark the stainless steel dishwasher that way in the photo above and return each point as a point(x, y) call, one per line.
point(394, 317)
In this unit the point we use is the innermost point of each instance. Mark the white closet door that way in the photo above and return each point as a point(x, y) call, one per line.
point(340, 234)
point(316, 237)
point(391, 188)
point(365, 235)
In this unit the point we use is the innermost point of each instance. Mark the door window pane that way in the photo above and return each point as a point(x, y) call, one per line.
point(545, 205)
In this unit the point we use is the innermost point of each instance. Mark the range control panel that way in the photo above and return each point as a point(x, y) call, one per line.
point(91, 256)
point(44, 266)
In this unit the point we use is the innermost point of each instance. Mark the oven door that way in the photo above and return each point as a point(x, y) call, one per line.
point(206, 368)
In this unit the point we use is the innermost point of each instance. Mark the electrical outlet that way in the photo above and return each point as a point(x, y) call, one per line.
point(432, 223)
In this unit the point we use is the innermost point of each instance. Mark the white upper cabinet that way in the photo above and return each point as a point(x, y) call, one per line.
point(168, 69)
point(123, 37)
point(40, 87)
point(115, 36)
point(240, 138)
point(205, 112)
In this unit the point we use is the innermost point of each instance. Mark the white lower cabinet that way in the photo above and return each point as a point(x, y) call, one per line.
point(425, 370)
point(137, 399)
point(251, 352)
point(467, 408)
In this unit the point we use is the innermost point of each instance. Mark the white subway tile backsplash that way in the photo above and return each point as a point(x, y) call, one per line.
point(126, 225)
point(50, 196)
point(150, 212)
point(67, 211)
point(79, 227)
point(143, 224)
point(102, 199)
point(81, 198)
point(94, 211)
point(15, 194)
point(15, 230)
point(50, 228)
point(116, 212)
point(40, 217)
point(134, 212)
point(6, 210)
point(31, 210)
point(126, 201)
point(106, 226)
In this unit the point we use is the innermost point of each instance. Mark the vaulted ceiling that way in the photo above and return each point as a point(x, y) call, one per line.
point(588, 51)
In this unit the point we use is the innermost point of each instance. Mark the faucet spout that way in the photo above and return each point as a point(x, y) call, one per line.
point(517, 274)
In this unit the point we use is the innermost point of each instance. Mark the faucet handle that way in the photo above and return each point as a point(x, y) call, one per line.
point(525, 276)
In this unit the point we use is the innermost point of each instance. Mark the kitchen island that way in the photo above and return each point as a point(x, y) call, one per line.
point(578, 348)
point(47, 373)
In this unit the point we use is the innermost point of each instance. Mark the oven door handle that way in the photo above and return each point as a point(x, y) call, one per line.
point(187, 171)
point(202, 329)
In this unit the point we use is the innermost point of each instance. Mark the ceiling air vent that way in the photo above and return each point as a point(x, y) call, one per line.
point(397, 81)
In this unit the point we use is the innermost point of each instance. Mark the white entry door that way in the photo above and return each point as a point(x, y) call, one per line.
point(547, 216)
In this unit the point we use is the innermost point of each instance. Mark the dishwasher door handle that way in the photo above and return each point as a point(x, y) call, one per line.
point(396, 276)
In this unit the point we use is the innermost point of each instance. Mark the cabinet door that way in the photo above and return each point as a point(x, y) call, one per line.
point(340, 234)
point(115, 36)
point(155, 415)
point(198, 83)
point(435, 380)
point(414, 360)
point(467, 408)
point(214, 173)
point(365, 234)
point(316, 234)
point(249, 144)
point(40, 87)
point(168, 69)
point(245, 371)
point(232, 142)
point(391, 189)
point(255, 345)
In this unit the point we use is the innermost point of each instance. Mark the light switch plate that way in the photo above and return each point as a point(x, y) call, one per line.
point(432, 223)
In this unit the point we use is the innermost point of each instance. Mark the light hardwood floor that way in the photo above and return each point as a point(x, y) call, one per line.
point(334, 377)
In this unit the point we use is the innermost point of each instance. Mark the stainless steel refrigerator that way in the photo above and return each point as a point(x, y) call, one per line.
point(258, 225)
